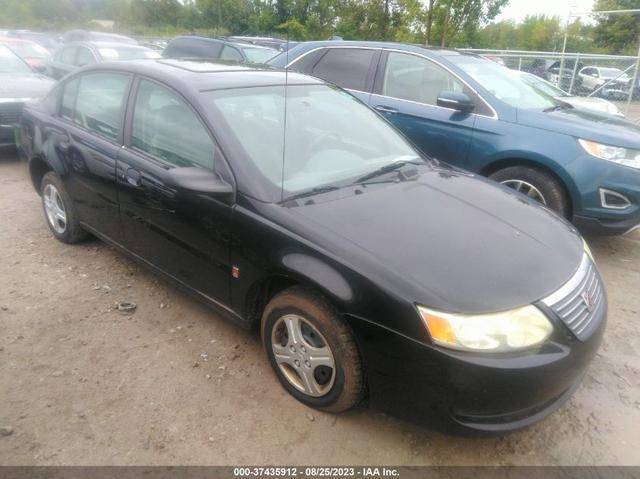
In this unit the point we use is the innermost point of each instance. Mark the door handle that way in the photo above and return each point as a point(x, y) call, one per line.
point(133, 177)
point(386, 109)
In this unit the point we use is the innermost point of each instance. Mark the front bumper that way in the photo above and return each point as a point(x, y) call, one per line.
point(468, 391)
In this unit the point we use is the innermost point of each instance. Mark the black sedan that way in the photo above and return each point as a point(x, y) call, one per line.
point(367, 268)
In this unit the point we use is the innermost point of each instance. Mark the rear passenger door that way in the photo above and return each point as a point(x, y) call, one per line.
point(406, 92)
point(186, 235)
point(349, 68)
point(87, 137)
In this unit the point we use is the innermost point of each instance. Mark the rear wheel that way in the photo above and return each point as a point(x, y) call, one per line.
point(537, 185)
point(59, 211)
point(312, 351)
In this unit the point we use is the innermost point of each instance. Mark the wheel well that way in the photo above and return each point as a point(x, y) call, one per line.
point(261, 292)
point(37, 169)
point(506, 163)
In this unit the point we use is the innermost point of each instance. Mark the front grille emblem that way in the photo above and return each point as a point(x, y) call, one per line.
point(588, 301)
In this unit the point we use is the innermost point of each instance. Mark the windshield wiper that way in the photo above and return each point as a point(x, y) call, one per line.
point(386, 169)
point(313, 191)
point(559, 106)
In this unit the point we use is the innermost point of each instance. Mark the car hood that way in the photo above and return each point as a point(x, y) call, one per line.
point(28, 85)
point(590, 103)
point(448, 240)
point(590, 125)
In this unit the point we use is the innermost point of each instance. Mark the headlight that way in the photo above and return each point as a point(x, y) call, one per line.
point(622, 156)
point(492, 333)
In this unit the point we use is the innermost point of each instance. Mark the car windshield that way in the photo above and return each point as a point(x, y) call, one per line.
point(11, 63)
point(613, 73)
point(127, 53)
point(543, 85)
point(29, 50)
point(506, 85)
point(330, 136)
point(259, 55)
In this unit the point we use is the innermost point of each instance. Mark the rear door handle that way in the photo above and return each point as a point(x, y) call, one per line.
point(386, 109)
point(133, 177)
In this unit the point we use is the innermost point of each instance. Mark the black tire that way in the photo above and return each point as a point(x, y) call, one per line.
point(347, 389)
point(72, 231)
point(552, 191)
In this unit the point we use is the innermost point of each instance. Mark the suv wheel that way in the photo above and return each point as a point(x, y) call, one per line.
point(59, 210)
point(312, 351)
point(535, 184)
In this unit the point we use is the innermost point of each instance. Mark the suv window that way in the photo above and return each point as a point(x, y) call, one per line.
point(346, 67)
point(84, 57)
point(100, 102)
point(192, 48)
point(68, 55)
point(230, 53)
point(414, 78)
point(166, 128)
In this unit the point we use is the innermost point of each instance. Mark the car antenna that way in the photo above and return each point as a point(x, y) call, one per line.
point(284, 132)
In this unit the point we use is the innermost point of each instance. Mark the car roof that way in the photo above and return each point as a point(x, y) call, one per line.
point(15, 40)
point(400, 46)
point(201, 76)
point(87, 43)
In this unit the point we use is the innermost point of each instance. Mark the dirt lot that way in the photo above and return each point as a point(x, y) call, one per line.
point(81, 383)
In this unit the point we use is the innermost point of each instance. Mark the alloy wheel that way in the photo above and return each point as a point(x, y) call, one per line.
point(303, 355)
point(54, 208)
point(526, 189)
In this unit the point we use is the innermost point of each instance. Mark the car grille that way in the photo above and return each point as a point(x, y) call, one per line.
point(10, 113)
point(580, 301)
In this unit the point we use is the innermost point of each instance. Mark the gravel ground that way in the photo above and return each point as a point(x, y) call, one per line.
point(83, 384)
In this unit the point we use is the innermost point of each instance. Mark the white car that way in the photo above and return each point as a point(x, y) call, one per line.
point(582, 102)
point(595, 77)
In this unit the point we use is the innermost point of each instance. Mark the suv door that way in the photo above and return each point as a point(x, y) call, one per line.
point(350, 68)
point(87, 137)
point(184, 235)
point(406, 93)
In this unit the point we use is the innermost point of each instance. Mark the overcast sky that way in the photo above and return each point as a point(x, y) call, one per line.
point(518, 9)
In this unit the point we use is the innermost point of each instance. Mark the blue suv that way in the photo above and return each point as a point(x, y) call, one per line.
point(478, 115)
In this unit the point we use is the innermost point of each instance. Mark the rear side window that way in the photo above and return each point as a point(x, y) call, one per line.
point(230, 53)
point(84, 57)
point(68, 55)
point(166, 128)
point(192, 48)
point(346, 67)
point(69, 99)
point(100, 103)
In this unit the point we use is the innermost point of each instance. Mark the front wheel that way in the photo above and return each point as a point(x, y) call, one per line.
point(312, 351)
point(537, 185)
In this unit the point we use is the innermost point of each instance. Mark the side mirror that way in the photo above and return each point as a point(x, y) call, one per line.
point(456, 101)
point(198, 180)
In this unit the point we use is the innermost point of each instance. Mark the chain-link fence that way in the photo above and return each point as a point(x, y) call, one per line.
point(609, 83)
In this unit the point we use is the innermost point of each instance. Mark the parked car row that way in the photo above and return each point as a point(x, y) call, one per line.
point(290, 206)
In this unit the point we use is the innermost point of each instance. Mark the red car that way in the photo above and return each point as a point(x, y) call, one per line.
point(35, 55)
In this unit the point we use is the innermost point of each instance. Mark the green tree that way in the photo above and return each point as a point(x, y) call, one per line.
point(618, 33)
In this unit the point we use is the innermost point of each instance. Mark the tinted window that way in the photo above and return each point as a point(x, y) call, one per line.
point(68, 55)
point(414, 78)
point(69, 99)
point(100, 102)
point(84, 57)
point(230, 53)
point(346, 67)
point(166, 128)
point(192, 48)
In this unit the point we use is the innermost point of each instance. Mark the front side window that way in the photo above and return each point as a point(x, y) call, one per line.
point(100, 102)
point(346, 67)
point(259, 55)
point(328, 137)
point(166, 128)
point(410, 77)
